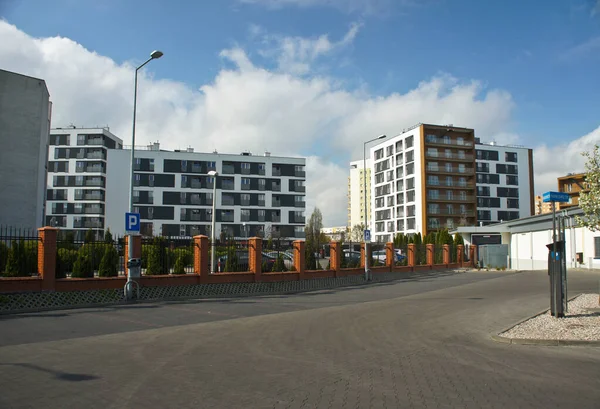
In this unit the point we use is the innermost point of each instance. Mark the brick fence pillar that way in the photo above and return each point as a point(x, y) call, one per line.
point(446, 254)
point(390, 256)
point(472, 255)
point(299, 257)
point(137, 249)
point(255, 257)
point(362, 254)
point(411, 254)
point(460, 252)
point(201, 259)
point(430, 250)
point(47, 257)
point(335, 257)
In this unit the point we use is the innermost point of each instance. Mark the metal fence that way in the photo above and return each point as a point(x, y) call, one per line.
point(438, 254)
point(401, 255)
point(230, 256)
point(90, 257)
point(278, 256)
point(18, 252)
point(163, 256)
point(378, 254)
point(420, 254)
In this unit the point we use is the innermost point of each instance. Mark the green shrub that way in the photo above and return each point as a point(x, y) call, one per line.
point(83, 267)
point(21, 259)
point(3, 256)
point(279, 264)
point(153, 266)
point(65, 259)
point(231, 264)
point(95, 252)
point(109, 262)
point(179, 265)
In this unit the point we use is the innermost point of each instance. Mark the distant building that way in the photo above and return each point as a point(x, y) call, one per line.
point(356, 193)
point(573, 184)
point(541, 207)
point(335, 233)
point(25, 112)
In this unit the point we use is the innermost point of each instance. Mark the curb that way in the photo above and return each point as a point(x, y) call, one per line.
point(540, 342)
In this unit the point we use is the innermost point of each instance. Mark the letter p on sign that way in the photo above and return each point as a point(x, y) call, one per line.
point(132, 222)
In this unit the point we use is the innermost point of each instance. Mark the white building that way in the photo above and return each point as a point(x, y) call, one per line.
point(256, 195)
point(25, 112)
point(504, 182)
point(527, 238)
point(356, 196)
point(335, 233)
point(76, 183)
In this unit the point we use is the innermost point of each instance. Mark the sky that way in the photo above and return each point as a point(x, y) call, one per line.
point(317, 78)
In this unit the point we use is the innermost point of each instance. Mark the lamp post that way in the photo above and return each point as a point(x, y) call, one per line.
point(153, 56)
point(214, 174)
point(365, 203)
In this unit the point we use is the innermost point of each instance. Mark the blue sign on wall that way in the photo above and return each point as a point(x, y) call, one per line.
point(559, 197)
point(132, 222)
point(367, 235)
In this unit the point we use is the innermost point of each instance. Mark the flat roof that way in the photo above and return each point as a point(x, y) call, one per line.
point(27, 76)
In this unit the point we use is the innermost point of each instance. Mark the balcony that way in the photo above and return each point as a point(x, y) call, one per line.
point(300, 174)
point(227, 185)
point(196, 217)
point(448, 142)
point(94, 141)
point(451, 185)
point(227, 217)
point(245, 186)
point(454, 198)
point(228, 169)
point(276, 203)
point(275, 219)
point(227, 201)
point(261, 203)
point(195, 200)
point(95, 168)
point(452, 156)
point(454, 170)
point(96, 155)
point(196, 168)
point(276, 187)
point(94, 182)
point(276, 172)
point(299, 188)
point(93, 210)
point(300, 203)
point(298, 219)
point(451, 213)
point(196, 184)
point(245, 202)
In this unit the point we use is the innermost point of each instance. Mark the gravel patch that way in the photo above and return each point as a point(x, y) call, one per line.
point(580, 323)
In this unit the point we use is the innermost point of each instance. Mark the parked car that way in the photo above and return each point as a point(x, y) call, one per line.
point(288, 259)
point(381, 256)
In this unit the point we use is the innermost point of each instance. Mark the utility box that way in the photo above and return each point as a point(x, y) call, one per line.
point(134, 267)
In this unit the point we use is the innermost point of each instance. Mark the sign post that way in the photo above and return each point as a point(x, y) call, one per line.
point(557, 269)
point(134, 265)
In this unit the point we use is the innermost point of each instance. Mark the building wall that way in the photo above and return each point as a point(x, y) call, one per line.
point(356, 199)
point(25, 112)
point(495, 175)
point(573, 184)
point(76, 183)
point(167, 211)
point(541, 207)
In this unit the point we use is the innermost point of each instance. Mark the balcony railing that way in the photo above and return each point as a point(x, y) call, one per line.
point(453, 142)
point(276, 203)
point(300, 173)
point(301, 203)
point(93, 210)
point(450, 213)
point(451, 170)
point(94, 182)
point(261, 203)
point(227, 218)
point(299, 188)
point(276, 219)
point(457, 185)
point(228, 169)
point(96, 155)
point(94, 141)
point(276, 172)
point(453, 156)
point(454, 198)
point(227, 201)
point(276, 187)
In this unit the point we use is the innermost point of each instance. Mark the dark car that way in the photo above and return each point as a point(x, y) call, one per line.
point(243, 261)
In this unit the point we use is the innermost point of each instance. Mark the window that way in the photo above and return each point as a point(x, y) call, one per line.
point(379, 202)
point(486, 155)
point(379, 154)
point(137, 179)
point(410, 224)
point(151, 165)
point(483, 167)
point(150, 180)
point(399, 159)
point(410, 156)
point(512, 180)
point(463, 195)
point(390, 201)
point(449, 209)
point(483, 191)
point(80, 139)
point(460, 140)
point(398, 146)
point(446, 139)
point(491, 179)
point(183, 198)
point(245, 166)
point(389, 150)
point(379, 227)
point(462, 168)
point(390, 226)
point(430, 138)
point(182, 214)
point(245, 199)
point(448, 167)
point(410, 196)
point(433, 180)
point(432, 152)
point(261, 199)
point(434, 223)
point(433, 167)
point(400, 211)
point(409, 142)
point(448, 153)
point(245, 183)
point(79, 166)
point(508, 215)
point(449, 181)
point(261, 215)
point(211, 165)
point(512, 203)
point(245, 215)
point(410, 169)
point(510, 156)
point(379, 178)
point(461, 155)
point(400, 198)
point(184, 181)
point(399, 185)
point(78, 180)
point(78, 207)
point(508, 192)
point(433, 208)
point(400, 225)
point(462, 182)
point(449, 195)
point(136, 196)
point(434, 194)
point(261, 168)
point(390, 175)
point(399, 173)
point(184, 165)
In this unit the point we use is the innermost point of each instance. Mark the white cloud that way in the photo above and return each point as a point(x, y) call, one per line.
point(249, 107)
point(582, 50)
point(296, 55)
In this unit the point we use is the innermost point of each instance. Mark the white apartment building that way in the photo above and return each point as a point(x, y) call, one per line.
point(25, 113)
point(336, 233)
point(356, 196)
point(76, 184)
point(433, 177)
point(504, 182)
point(256, 195)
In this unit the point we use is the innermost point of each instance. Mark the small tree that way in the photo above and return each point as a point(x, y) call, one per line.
point(89, 236)
point(83, 267)
point(179, 267)
point(153, 265)
point(279, 264)
point(3, 256)
point(589, 199)
point(109, 262)
point(108, 238)
point(231, 264)
point(14, 260)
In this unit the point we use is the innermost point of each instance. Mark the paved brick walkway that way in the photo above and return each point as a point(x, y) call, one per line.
point(421, 343)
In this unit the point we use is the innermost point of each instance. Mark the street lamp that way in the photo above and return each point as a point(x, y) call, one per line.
point(153, 56)
point(365, 203)
point(214, 174)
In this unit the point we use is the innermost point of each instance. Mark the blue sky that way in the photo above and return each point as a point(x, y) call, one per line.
point(528, 48)
point(327, 74)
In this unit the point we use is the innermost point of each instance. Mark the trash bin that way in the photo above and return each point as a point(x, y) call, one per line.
point(134, 267)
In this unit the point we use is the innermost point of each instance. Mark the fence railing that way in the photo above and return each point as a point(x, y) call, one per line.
point(89, 258)
point(18, 252)
point(230, 256)
point(162, 256)
point(277, 256)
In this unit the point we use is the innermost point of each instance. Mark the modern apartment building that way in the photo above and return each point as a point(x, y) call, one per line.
point(356, 193)
point(424, 180)
point(573, 184)
point(25, 113)
point(504, 182)
point(77, 183)
point(433, 177)
point(255, 195)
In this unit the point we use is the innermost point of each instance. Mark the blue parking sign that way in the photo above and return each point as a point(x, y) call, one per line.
point(367, 235)
point(132, 222)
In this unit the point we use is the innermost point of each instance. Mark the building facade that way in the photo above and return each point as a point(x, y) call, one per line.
point(423, 180)
point(505, 188)
point(336, 233)
point(434, 177)
point(77, 184)
point(356, 192)
point(25, 113)
point(573, 184)
point(255, 195)
point(541, 207)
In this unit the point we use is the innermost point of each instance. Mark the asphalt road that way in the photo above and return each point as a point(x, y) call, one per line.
point(416, 343)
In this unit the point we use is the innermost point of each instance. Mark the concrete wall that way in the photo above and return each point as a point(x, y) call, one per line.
point(24, 129)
